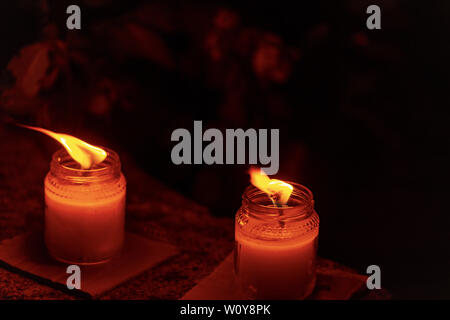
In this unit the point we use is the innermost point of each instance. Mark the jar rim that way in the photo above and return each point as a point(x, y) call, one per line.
point(63, 164)
point(300, 204)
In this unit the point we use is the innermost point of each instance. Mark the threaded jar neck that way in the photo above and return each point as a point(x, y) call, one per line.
point(259, 205)
point(65, 168)
point(259, 219)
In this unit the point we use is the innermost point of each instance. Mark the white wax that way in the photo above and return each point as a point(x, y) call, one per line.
point(86, 231)
point(276, 269)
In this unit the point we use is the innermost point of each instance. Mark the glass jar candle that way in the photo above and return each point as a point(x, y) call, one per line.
point(84, 209)
point(275, 250)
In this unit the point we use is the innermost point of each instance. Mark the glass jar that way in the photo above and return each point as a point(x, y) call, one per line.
point(84, 209)
point(275, 249)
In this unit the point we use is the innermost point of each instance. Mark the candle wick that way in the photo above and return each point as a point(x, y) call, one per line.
point(275, 197)
point(281, 222)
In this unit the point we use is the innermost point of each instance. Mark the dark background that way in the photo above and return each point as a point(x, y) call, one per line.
point(362, 114)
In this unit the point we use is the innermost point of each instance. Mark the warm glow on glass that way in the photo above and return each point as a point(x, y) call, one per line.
point(278, 191)
point(85, 154)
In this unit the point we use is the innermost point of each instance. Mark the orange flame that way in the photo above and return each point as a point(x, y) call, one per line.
point(277, 190)
point(85, 154)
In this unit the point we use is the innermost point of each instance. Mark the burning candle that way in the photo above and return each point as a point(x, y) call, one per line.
point(276, 232)
point(84, 202)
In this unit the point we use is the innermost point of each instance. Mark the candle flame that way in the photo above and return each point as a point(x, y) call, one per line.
point(85, 154)
point(277, 190)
